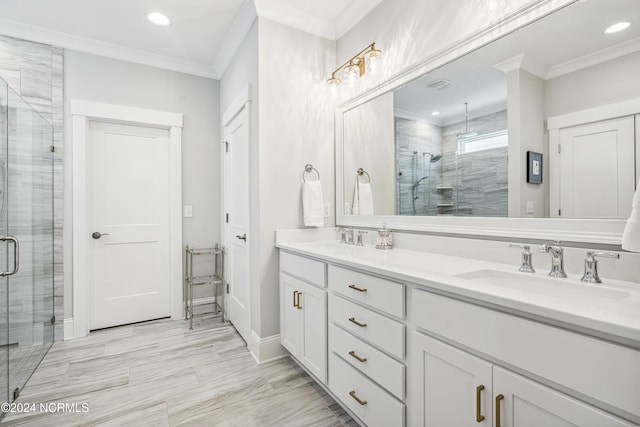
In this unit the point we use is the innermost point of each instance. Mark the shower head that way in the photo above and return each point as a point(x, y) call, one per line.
point(434, 158)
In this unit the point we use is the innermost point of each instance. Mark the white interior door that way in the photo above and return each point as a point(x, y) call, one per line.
point(236, 192)
point(597, 169)
point(128, 205)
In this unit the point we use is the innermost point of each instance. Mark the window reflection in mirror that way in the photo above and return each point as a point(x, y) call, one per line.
point(559, 86)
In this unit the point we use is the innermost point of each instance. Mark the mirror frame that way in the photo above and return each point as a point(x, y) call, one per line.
point(598, 231)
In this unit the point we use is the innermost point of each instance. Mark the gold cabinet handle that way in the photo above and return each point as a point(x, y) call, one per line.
point(294, 298)
point(298, 304)
point(479, 416)
point(354, 321)
point(352, 393)
point(355, 288)
point(499, 398)
point(358, 358)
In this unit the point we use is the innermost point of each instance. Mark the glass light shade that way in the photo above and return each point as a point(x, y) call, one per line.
point(333, 80)
point(373, 59)
point(351, 73)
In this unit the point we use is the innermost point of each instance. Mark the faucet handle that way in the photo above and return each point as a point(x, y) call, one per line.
point(360, 233)
point(591, 265)
point(593, 254)
point(527, 258)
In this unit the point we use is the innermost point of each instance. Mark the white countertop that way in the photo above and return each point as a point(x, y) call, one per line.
point(614, 315)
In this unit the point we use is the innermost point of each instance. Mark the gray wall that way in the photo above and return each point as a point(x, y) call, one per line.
point(100, 79)
point(34, 71)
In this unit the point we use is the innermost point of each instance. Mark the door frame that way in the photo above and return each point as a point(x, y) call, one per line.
point(82, 112)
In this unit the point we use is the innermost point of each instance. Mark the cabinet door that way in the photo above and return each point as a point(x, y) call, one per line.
point(530, 404)
point(314, 335)
point(446, 384)
point(290, 315)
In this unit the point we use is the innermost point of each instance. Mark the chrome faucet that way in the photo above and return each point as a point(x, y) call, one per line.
point(359, 242)
point(557, 259)
point(343, 234)
point(591, 265)
point(527, 265)
point(349, 236)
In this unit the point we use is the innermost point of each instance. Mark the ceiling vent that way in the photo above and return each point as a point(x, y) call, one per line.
point(439, 84)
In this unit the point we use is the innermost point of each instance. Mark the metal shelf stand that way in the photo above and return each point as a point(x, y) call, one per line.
point(215, 279)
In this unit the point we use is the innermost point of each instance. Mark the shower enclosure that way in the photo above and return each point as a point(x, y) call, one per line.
point(26, 241)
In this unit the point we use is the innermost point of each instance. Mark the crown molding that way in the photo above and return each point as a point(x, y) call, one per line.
point(95, 47)
point(595, 58)
point(245, 18)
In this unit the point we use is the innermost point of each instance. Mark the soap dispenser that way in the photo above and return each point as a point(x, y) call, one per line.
point(385, 238)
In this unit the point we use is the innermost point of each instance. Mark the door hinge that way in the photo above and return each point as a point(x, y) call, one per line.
point(227, 288)
point(52, 148)
point(16, 393)
point(559, 149)
point(559, 212)
point(226, 146)
point(53, 320)
point(226, 216)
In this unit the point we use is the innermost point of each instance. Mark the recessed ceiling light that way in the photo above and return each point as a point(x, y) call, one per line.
point(435, 113)
point(159, 19)
point(616, 28)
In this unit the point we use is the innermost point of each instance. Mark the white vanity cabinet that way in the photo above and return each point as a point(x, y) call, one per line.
point(367, 345)
point(303, 313)
point(452, 387)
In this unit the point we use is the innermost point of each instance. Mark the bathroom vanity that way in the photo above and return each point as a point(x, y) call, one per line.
point(413, 338)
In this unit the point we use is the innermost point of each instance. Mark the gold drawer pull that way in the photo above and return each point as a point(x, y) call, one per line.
point(298, 303)
point(355, 288)
point(479, 416)
point(498, 400)
point(354, 321)
point(358, 358)
point(294, 298)
point(352, 393)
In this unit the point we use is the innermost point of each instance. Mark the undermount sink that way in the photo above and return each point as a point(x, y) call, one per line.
point(560, 288)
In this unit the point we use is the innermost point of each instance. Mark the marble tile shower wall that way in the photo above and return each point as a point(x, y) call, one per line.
point(413, 138)
point(479, 179)
point(34, 71)
point(469, 184)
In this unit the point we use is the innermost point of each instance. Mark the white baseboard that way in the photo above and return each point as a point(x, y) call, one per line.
point(266, 349)
point(68, 328)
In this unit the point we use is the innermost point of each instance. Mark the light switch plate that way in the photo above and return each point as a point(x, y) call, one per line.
point(188, 211)
point(529, 207)
point(327, 210)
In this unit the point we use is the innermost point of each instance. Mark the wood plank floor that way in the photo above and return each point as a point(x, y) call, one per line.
point(162, 374)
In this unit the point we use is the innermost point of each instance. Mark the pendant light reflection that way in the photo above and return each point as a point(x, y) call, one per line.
point(365, 61)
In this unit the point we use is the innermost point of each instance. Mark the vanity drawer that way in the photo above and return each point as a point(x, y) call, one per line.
point(303, 268)
point(380, 409)
point(599, 369)
point(379, 330)
point(382, 369)
point(379, 293)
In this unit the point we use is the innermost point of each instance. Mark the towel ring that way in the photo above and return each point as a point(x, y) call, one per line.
point(308, 168)
point(361, 172)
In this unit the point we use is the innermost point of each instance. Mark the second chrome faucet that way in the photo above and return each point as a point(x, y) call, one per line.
point(557, 259)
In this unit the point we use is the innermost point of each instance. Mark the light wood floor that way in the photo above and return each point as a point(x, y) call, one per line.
point(161, 374)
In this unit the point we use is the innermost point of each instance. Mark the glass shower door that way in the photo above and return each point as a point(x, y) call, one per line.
point(27, 216)
point(4, 281)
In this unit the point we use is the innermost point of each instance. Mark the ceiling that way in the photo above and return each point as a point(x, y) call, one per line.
point(201, 40)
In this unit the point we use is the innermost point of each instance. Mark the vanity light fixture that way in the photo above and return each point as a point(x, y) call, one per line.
point(616, 28)
point(159, 19)
point(357, 66)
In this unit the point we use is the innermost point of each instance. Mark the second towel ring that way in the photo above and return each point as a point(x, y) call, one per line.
point(361, 172)
point(308, 168)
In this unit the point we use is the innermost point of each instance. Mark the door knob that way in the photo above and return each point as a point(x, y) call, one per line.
point(97, 234)
point(243, 237)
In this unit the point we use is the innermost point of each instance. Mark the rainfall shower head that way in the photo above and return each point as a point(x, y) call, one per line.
point(434, 158)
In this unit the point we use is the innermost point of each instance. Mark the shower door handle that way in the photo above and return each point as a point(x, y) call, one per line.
point(16, 255)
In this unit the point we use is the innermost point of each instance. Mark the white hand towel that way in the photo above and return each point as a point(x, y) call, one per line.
point(362, 199)
point(312, 204)
point(631, 234)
